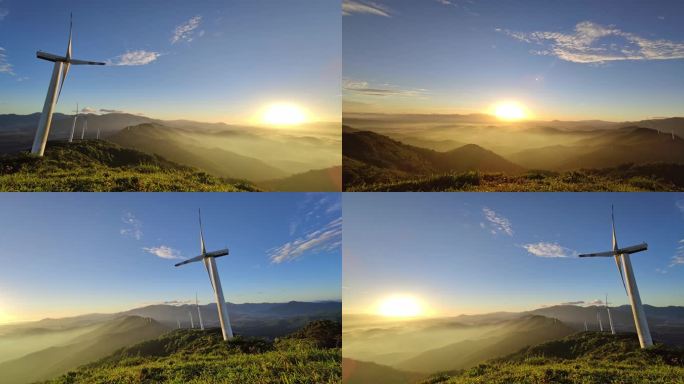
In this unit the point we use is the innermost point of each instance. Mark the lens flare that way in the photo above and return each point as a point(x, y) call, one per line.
point(283, 114)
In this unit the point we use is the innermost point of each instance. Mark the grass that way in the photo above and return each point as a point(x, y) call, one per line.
point(626, 178)
point(585, 358)
point(99, 166)
point(194, 357)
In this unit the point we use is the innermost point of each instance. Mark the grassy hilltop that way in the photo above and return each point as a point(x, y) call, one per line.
point(310, 355)
point(586, 358)
point(100, 166)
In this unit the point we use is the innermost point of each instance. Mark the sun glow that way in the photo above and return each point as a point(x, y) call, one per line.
point(283, 114)
point(400, 306)
point(510, 110)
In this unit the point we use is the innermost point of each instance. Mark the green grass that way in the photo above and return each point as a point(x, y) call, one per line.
point(194, 357)
point(585, 358)
point(621, 179)
point(99, 166)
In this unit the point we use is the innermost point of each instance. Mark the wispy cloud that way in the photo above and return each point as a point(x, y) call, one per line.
point(133, 226)
point(186, 31)
point(327, 238)
point(3, 12)
point(364, 88)
point(163, 251)
point(551, 250)
point(103, 110)
point(177, 302)
point(596, 302)
point(350, 7)
point(88, 110)
point(5, 66)
point(497, 223)
point(594, 43)
point(139, 57)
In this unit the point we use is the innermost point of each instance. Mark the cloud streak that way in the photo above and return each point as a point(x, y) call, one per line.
point(497, 223)
point(327, 238)
point(363, 88)
point(133, 58)
point(5, 66)
point(594, 43)
point(164, 252)
point(133, 226)
point(186, 31)
point(350, 7)
point(550, 250)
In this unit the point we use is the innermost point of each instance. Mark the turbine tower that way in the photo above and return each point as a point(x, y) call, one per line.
point(192, 323)
point(624, 265)
point(84, 128)
point(585, 326)
point(59, 74)
point(98, 133)
point(600, 323)
point(178, 321)
point(208, 258)
point(73, 126)
point(199, 314)
point(610, 319)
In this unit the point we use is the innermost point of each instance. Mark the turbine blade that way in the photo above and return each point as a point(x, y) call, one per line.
point(612, 219)
point(85, 62)
point(618, 257)
point(203, 248)
point(219, 253)
point(188, 261)
point(49, 56)
point(71, 24)
point(65, 71)
point(599, 254)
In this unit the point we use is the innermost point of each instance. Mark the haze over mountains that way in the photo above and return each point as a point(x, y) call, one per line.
point(249, 153)
point(408, 350)
point(382, 148)
point(43, 349)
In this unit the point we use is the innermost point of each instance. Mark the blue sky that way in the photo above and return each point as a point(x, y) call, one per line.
point(202, 60)
point(481, 252)
point(612, 59)
point(65, 254)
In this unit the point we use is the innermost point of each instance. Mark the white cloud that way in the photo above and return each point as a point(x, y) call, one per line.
point(133, 226)
point(5, 66)
point(542, 249)
point(350, 7)
point(103, 110)
point(595, 43)
point(139, 57)
point(3, 12)
point(186, 31)
point(163, 251)
point(497, 223)
point(88, 110)
point(327, 238)
point(596, 302)
point(579, 302)
point(384, 90)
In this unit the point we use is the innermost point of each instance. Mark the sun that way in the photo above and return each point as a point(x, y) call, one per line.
point(400, 306)
point(510, 111)
point(283, 114)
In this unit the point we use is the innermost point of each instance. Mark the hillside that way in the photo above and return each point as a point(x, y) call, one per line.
point(529, 330)
point(99, 166)
point(171, 143)
point(587, 357)
point(362, 372)
point(317, 180)
point(84, 348)
point(193, 356)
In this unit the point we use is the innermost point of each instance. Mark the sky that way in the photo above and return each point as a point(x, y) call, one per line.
point(469, 253)
point(613, 60)
point(214, 61)
point(69, 254)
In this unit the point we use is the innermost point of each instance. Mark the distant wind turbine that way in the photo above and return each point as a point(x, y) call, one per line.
point(178, 321)
point(610, 319)
point(600, 323)
point(199, 314)
point(208, 258)
point(84, 128)
point(98, 133)
point(192, 323)
point(622, 259)
point(585, 326)
point(73, 126)
point(59, 74)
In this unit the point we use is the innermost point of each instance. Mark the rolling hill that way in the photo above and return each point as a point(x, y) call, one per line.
point(317, 180)
point(98, 343)
point(309, 355)
point(99, 166)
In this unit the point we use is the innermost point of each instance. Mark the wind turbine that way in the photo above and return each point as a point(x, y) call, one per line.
point(624, 265)
point(73, 126)
point(84, 128)
point(178, 321)
point(192, 323)
point(208, 258)
point(598, 318)
point(610, 319)
point(98, 133)
point(199, 314)
point(586, 329)
point(59, 74)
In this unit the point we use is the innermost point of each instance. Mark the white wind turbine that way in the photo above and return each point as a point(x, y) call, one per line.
point(622, 259)
point(199, 314)
point(610, 319)
point(208, 258)
point(600, 323)
point(73, 126)
point(84, 128)
point(59, 74)
point(192, 323)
